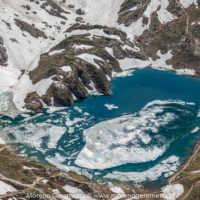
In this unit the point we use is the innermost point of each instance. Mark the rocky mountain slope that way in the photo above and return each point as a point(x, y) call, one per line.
point(53, 52)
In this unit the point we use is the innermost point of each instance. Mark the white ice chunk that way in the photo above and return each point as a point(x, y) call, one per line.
point(111, 106)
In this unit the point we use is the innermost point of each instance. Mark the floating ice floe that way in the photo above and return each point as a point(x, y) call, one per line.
point(111, 106)
point(118, 191)
point(166, 167)
point(195, 130)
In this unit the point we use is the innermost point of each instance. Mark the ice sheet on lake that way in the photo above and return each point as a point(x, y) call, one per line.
point(130, 138)
point(35, 134)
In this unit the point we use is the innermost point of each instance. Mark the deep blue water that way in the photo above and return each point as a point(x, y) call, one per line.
point(130, 94)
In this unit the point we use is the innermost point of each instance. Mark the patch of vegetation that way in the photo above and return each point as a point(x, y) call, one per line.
point(48, 66)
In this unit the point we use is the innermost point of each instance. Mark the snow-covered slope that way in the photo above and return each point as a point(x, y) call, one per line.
point(120, 34)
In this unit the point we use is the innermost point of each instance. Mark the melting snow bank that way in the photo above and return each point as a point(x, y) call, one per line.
point(172, 192)
point(166, 167)
point(135, 138)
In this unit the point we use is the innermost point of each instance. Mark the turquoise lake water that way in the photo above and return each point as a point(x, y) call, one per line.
point(147, 135)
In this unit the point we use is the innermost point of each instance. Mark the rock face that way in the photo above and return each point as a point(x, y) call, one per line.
point(69, 51)
point(128, 16)
point(198, 1)
point(24, 26)
point(3, 52)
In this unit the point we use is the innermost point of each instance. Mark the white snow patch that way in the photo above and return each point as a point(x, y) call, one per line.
point(190, 72)
point(172, 192)
point(82, 46)
point(77, 193)
point(110, 51)
point(66, 68)
point(51, 53)
point(5, 188)
point(25, 86)
point(2, 141)
point(163, 15)
point(44, 181)
point(28, 168)
point(131, 63)
point(187, 3)
point(118, 191)
point(90, 58)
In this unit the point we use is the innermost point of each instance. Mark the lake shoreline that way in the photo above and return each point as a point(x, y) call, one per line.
point(128, 189)
point(108, 108)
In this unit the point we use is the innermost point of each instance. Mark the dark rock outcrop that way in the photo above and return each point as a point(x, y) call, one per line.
point(3, 52)
point(35, 32)
point(33, 102)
